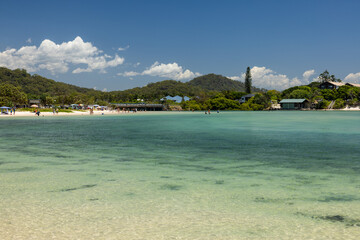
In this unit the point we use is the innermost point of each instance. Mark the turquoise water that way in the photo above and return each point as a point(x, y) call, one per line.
point(233, 175)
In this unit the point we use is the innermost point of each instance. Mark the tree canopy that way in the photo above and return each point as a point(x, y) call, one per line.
point(206, 92)
point(326, 77)
point(248, 80)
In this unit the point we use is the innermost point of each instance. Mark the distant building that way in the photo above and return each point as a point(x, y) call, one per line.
point(139, 106)
point(34, 102)
point(176, 99)
point(331, 85)
point(294, 104)
point(246, 98)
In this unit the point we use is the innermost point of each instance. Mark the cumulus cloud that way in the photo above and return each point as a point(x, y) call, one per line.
point(307, 74)
point(58, 58)
point(29, 40)
point(353, 78)
point(266, 78)
point(170, 70)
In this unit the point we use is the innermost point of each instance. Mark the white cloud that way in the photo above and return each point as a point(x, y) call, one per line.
point(266, 78)
point(123, 48)
point(170, 70)
point(352, 78)
point(236, 78)
point(29, 40)
point(307, 74)
point(57, 58)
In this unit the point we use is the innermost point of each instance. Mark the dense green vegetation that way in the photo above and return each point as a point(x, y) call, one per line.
point(58, 93)
point(213, 82)
point(210, 91)
point(11, 95)
point(325, 76)
point(38, 87)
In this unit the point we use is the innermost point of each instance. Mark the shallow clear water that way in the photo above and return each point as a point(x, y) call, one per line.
point(233, 175)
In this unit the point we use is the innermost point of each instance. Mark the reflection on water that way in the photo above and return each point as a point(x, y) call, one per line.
point(241, 175)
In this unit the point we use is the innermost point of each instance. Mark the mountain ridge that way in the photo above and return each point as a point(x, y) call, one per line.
point(35, 86)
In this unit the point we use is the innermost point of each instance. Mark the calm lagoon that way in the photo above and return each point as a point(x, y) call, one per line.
point(179, 175)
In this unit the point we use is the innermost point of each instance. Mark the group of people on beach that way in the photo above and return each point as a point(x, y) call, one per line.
point(12, 110)
point(37, 112)
point(208, 111)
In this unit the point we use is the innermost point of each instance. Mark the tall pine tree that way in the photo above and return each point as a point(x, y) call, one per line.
point(248, 80)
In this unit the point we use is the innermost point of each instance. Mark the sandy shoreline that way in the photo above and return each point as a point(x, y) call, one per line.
point(351, 109)
point(87, 113)
point(74, 113)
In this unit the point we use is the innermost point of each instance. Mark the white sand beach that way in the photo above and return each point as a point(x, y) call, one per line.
point(50, 114)
point(106, 112)
point(351, 109)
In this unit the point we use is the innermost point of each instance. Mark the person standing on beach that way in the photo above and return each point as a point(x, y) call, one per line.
point(14, 110)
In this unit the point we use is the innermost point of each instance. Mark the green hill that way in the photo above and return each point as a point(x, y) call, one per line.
point(50, 91)
point(213, 82)
point(156, 91)
point(197, 86)
point(36, 85)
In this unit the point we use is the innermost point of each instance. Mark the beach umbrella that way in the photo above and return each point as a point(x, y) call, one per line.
point(4, 109)
point(34, 105)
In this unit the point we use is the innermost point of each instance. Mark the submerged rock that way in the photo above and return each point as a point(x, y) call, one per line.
point(335, 218)
point(172, 187)
point(77, 188)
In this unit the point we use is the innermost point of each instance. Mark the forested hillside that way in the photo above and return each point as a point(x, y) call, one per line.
point(51, 92)
point(36, 85)
point(206, 92)
point(213, 82)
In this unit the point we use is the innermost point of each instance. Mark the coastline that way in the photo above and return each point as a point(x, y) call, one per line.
point(73, 113)
point(98, 113)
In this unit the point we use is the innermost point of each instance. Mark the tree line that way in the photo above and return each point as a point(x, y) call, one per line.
point(210, 91)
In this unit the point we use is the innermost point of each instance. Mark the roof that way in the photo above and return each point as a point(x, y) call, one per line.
point(137, 105)
point(353, 84)
point(293, 100)
point(177, 99)
point(339, 84)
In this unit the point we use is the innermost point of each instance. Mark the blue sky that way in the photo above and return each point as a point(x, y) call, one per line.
point(115, 45)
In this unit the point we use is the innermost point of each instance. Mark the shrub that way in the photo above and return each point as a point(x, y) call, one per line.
point(339, 103)
point(323, 104)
